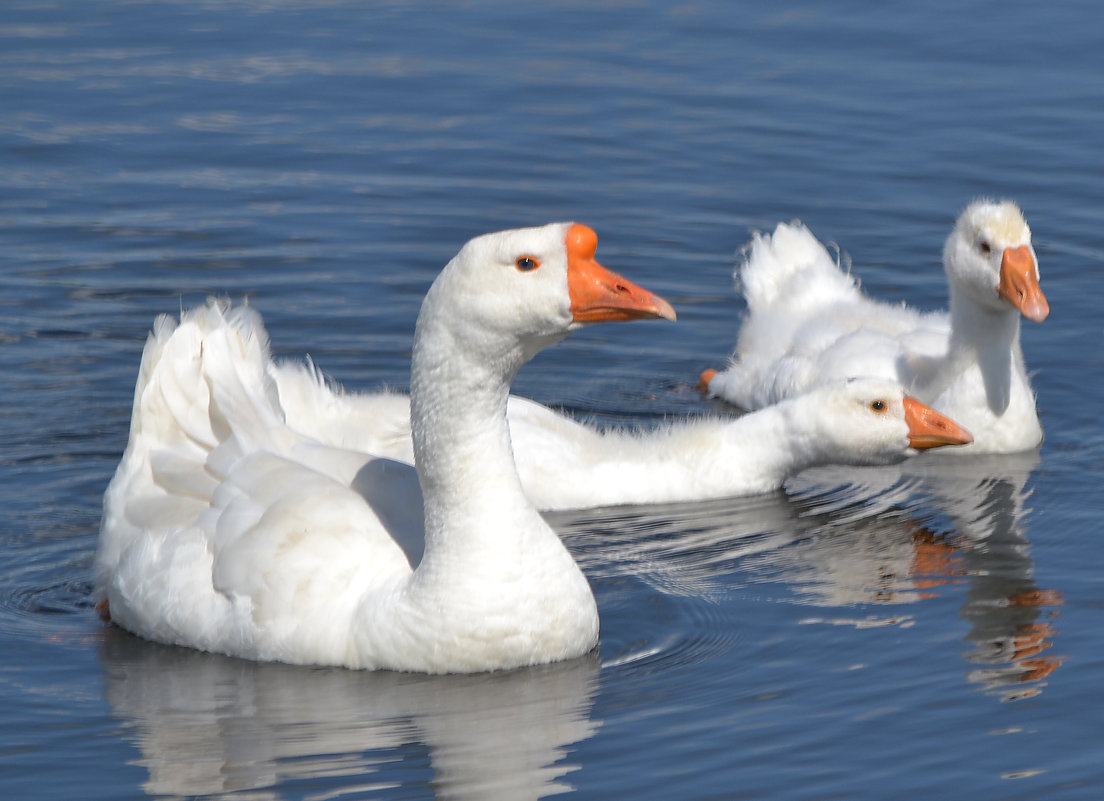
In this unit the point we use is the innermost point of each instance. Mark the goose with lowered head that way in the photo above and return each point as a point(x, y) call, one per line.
point(565, 464)
point(808, 323)
point(225, 529)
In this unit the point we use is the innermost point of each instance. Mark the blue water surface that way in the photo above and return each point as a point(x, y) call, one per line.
point(925, 631)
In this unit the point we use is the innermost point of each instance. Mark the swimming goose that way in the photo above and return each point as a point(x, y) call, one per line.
point(808, 323)
point(226, 530)
point(565, 464)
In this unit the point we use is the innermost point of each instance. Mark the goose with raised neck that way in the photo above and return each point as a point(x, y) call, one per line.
point(808, 323)
point(227, 530)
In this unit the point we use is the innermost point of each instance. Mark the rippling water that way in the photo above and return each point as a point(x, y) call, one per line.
point(927, 631)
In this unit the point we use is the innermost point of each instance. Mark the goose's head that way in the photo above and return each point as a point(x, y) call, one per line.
point(507, 295)
point(867, 421)
point(989, 258)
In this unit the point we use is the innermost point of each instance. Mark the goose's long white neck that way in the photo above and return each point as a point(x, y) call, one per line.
point(701, 459)
point(987, 337)
point(494, 578)
point(458, 422)
point(752, 453)
point(781, 440)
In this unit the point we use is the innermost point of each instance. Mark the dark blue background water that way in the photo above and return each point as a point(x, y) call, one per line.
point(932, 632)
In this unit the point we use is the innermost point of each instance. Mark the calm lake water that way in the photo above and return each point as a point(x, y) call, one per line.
point(929, 631)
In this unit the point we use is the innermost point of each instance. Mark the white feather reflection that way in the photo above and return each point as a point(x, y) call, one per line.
point(855, 541)
point(213, 726)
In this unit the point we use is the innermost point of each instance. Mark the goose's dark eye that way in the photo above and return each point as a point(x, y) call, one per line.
point(984, 247)
point(878, 406)
point(527, 263)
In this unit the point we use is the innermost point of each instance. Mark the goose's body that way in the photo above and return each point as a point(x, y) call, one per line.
point(808, 323)
point(564, 464)
point(226, 529)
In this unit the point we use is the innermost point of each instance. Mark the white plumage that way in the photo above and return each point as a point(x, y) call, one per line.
point(808, 324)
point(226, 529)
point(564, 464)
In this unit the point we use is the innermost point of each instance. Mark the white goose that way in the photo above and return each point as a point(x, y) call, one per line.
point(808, 323)
point(226, 530)
point(567, 465)
point(564, 464)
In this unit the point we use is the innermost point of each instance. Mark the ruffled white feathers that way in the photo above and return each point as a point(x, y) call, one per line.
point(229, 530)
point(808, 324)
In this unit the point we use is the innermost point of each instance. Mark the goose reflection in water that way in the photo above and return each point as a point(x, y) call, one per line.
point(1010, 616)
point(211, 725)
point(855, 538)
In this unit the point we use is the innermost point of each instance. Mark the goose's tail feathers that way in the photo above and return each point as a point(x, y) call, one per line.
point(790, 266)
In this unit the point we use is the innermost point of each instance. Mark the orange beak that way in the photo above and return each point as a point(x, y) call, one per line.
point(706, 377)
point(930, 429)
point(1019, 284)
point(598, 295)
